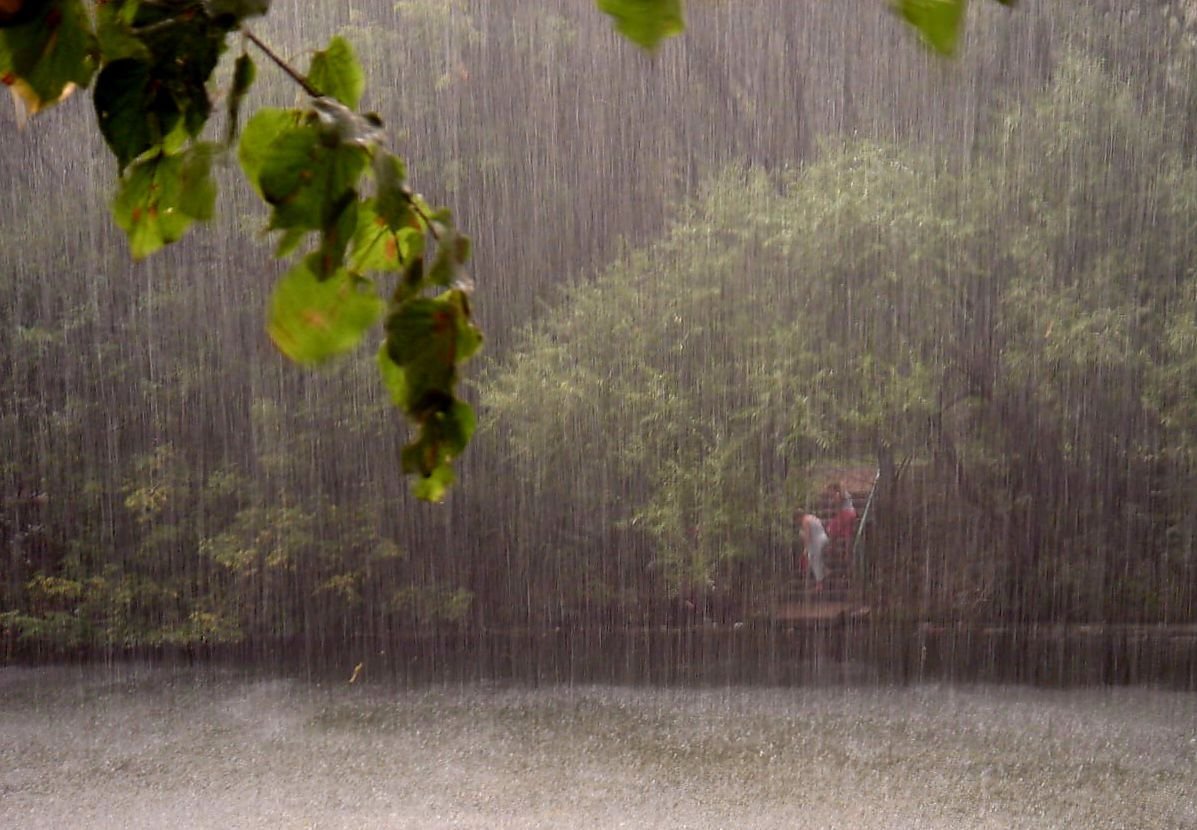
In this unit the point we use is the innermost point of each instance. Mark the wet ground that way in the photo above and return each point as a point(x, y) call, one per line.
point(131, 746)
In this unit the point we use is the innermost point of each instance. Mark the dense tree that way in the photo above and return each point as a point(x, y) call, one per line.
point(998, 337)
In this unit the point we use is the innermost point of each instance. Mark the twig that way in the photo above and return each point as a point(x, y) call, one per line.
point(283, 65)
point(419, 211)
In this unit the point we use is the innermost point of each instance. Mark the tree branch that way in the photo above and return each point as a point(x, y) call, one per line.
point(283, 65)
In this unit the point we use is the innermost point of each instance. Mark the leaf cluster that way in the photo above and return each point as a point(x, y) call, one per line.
point(322, 168)
point(324, 173)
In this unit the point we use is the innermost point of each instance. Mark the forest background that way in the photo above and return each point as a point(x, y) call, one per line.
point(787, 241)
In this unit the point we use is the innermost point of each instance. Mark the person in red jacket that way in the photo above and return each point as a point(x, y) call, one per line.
point(842, 527)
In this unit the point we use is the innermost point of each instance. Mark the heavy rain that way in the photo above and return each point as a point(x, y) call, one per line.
point(829, 461)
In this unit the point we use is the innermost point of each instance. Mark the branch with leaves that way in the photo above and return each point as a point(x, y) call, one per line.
point(338, 198)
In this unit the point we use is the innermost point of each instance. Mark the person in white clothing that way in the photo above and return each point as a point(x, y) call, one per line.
point(814, 539)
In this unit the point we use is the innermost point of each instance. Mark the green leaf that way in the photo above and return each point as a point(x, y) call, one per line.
point(411, 243)
point(244, 72)
point(45, 58)
point(462, 248)
point(375, 246)
point(422, 341)
point(453, 250)
point(393, 377)
point(411, 283)
point(645, 22)
point(469, 338)
point(457, 426)
point(444, 264)
point(122, 102)
point(186, 45)
point(312, 319)
point(198, 196)
point(937, 21)
point(238, 10)
point(336, 235)
point(443, 436)
point(427, 338)
point(141, 102)
point(115, 35)
point(335, 72)
point(258, 137)
point(393, 201)
point(435, 485)
point(289, 241)
point(306, 180)
point(159, 198)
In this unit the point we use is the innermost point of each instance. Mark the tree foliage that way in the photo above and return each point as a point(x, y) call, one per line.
point(1018, 333)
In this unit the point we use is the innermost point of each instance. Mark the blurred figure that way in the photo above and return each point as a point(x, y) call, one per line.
point(842, 526)
point(814, 539)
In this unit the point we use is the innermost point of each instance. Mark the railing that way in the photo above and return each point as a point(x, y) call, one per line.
point(864, 517)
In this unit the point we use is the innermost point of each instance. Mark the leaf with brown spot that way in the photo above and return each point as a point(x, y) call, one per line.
point(313, 319)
